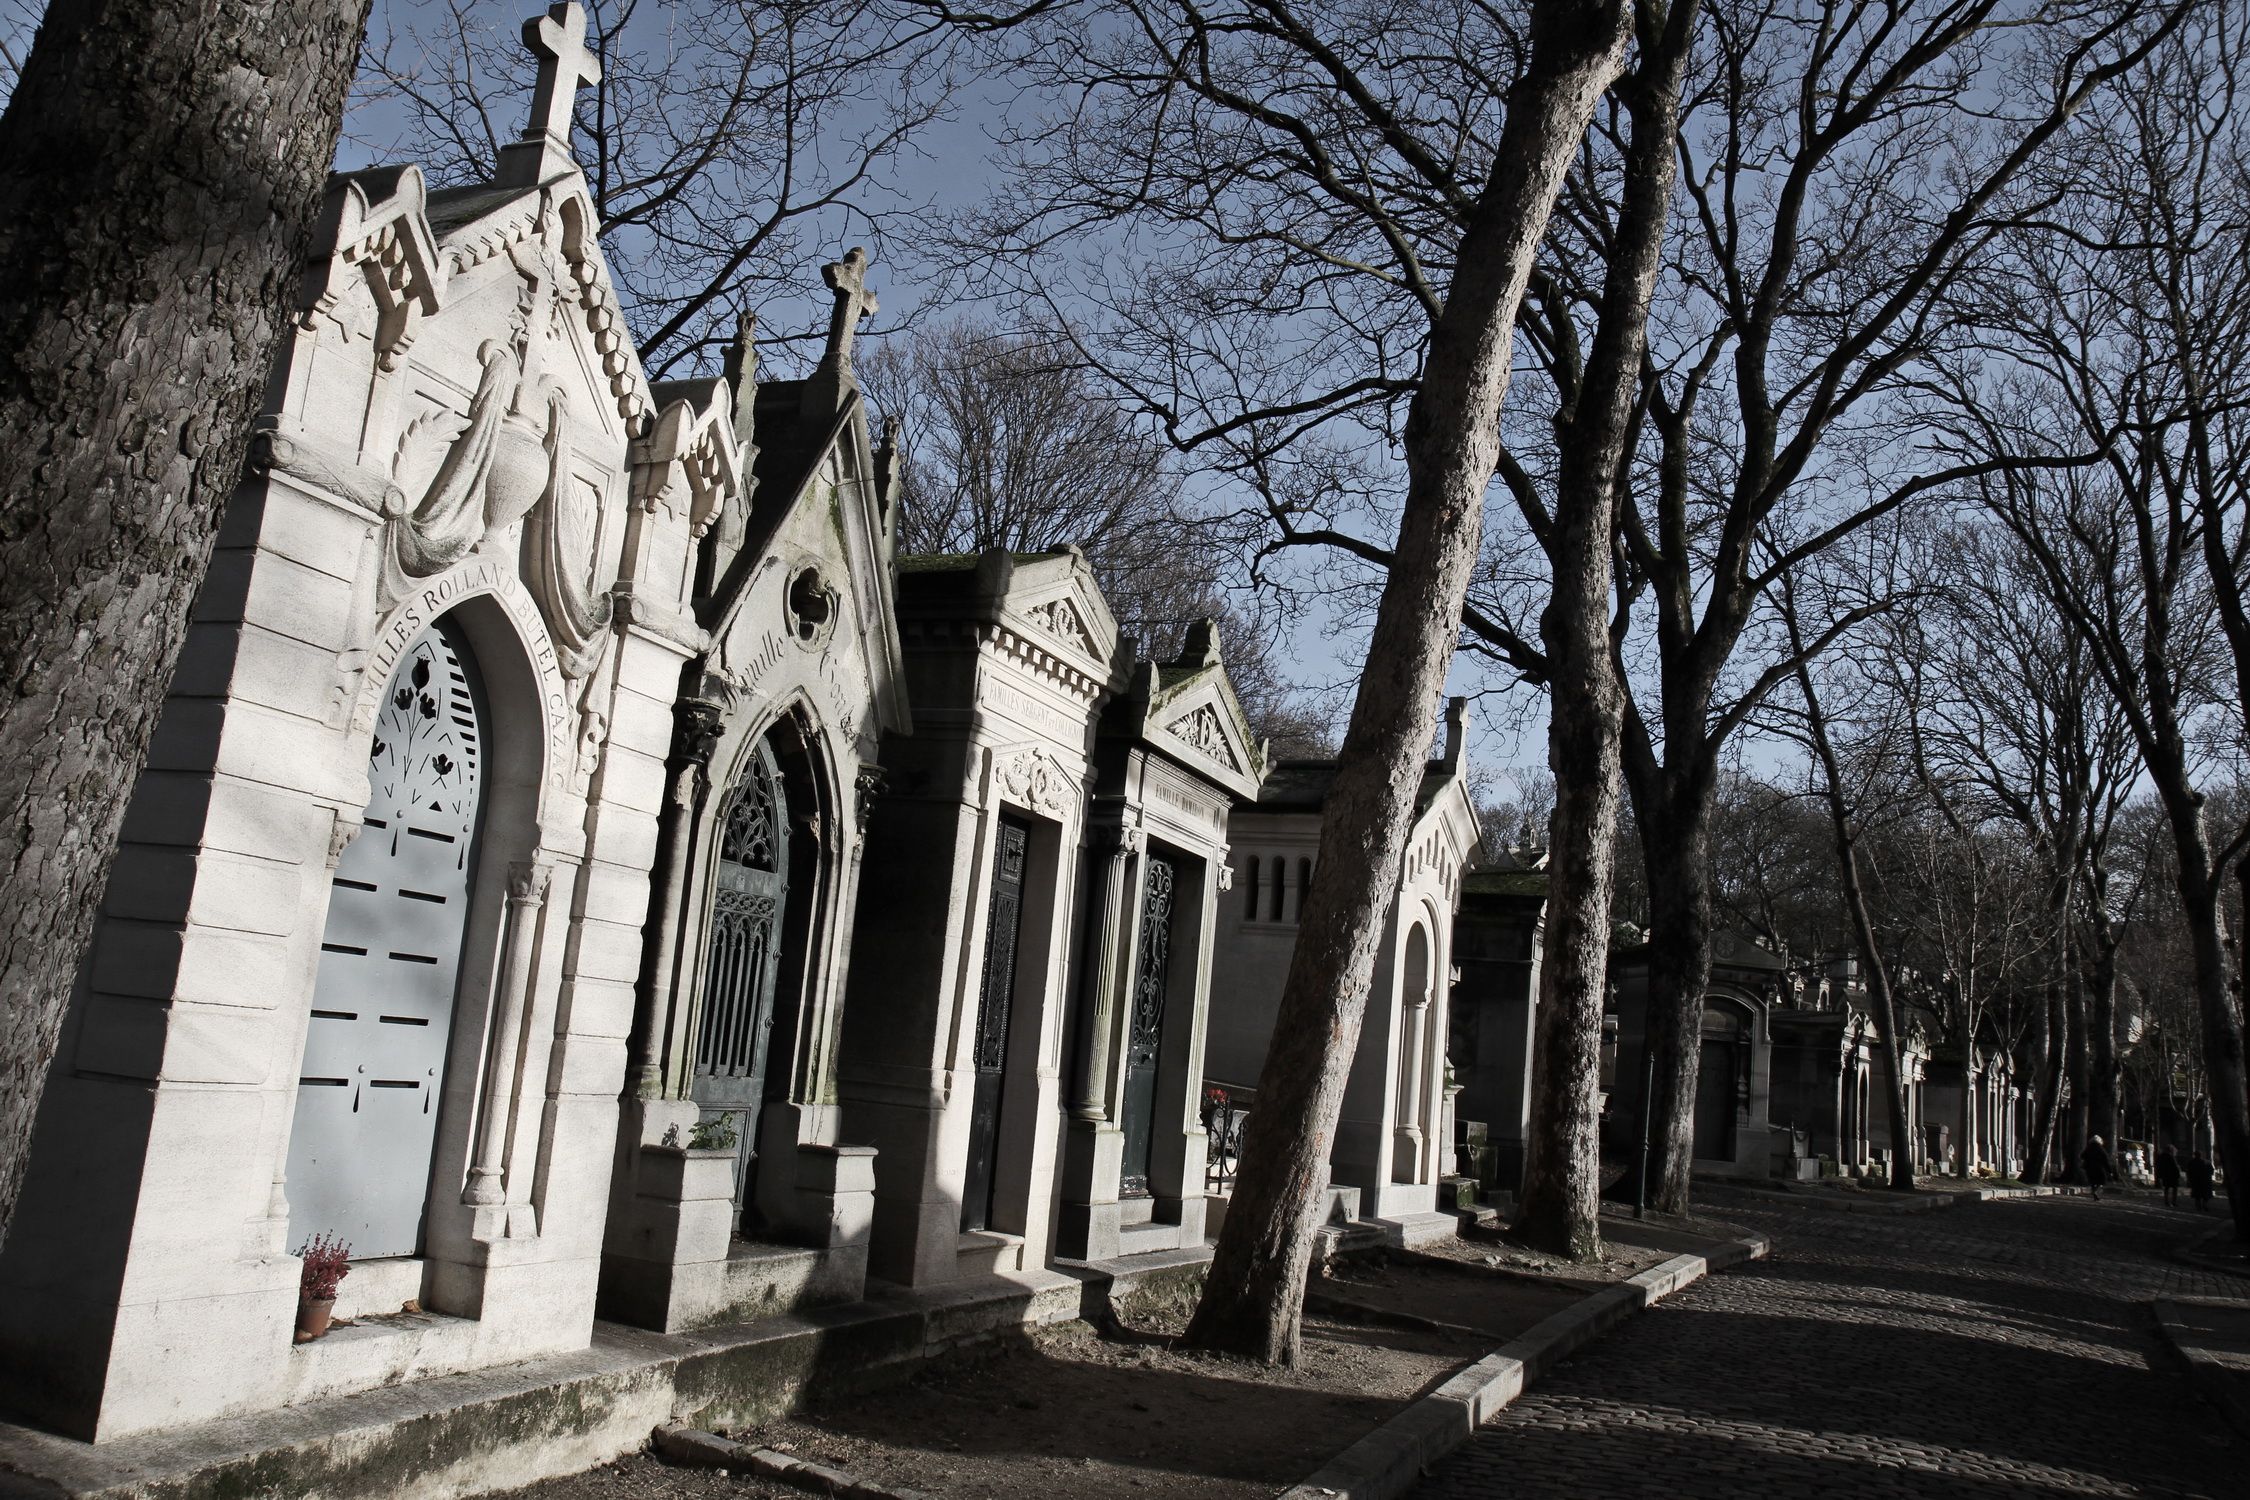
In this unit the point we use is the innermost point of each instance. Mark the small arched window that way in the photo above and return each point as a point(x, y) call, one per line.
point(1250, 887)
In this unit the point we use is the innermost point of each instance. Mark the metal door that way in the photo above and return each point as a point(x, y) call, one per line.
point(390, 961)
point(1146, 1040)
point(995, 1002)
point(749, 893)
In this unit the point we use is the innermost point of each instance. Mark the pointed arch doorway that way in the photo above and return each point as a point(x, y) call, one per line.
point(742, 967)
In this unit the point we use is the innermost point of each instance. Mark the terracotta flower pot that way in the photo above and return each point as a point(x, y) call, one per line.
point(312, 1318)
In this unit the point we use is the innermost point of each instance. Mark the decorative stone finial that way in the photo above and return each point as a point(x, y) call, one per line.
point(566, 65)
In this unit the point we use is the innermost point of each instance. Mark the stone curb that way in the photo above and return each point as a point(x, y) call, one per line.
point(1388, 1460)
point(2219, 1384)
point(2190, 1253)
point(1920, 1203)
point(688, 1445)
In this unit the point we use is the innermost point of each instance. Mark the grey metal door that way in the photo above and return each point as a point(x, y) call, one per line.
point(1145, 1042)
point(749, 892)
point(390, 961)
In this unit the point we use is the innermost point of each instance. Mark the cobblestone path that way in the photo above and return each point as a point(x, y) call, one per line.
point(1986, 1351)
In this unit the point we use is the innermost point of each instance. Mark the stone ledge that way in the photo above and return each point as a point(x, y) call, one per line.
point(1388, 1461)
point(497, 1429)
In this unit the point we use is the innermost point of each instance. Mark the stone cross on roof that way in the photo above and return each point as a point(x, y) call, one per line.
point(853, 302)
point(832, 379)
point(566, 65)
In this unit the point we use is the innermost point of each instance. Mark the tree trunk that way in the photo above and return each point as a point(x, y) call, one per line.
point(161, 164)
point(1676, 850)
point(1561, 1206)
point(2222, 1023)
point(1966, 1151)
point(2103, 1105)
point(2047, 1104)
point(2076, 1078)
point(1254, 1292)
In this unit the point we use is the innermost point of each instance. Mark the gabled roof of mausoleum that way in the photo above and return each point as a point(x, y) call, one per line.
point(1187, 710)
point(1302, 785)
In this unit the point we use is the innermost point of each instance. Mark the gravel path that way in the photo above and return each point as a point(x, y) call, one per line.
point(1995, 1351)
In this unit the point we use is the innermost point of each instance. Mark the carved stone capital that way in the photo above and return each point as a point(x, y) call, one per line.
point(527, 881)
point(340, 835)
point(697, 724)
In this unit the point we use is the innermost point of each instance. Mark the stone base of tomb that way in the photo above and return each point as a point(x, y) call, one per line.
point(496, 1429)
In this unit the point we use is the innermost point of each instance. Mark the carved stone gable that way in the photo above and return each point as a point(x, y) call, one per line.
point(1202, 731)
point(1060, 619)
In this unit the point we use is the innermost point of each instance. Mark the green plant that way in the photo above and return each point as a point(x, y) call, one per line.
point(715, 1134)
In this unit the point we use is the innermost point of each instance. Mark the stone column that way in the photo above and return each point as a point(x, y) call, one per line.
point(1094, 1140)
point(487, 1188)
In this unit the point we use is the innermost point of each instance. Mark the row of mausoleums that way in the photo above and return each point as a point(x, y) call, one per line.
point(586, 872)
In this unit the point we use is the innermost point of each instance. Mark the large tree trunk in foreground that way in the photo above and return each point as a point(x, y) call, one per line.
point(161, 164)
point(2102, 1103)
point(1254, 1292)
point(1561, 1210)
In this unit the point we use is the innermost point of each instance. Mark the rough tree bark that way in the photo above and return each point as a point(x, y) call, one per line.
point(1561, 1209)
point(2046, 1111)
point(161, 164)
point(1253, 1295)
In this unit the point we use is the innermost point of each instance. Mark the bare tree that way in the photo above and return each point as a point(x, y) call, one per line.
point(2134, 325)
point(1876, 772)
point(1011, 443)
point(1843, 166)
point(160, 168)
point(1339, 154)
point(724, 141)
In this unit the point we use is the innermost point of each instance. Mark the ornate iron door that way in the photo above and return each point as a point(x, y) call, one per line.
point(750, 890)
point(390, 961)
point(1146, 1039)
point(995, 1001)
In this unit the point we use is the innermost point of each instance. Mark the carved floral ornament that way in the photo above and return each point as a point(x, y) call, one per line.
point(1031, 778)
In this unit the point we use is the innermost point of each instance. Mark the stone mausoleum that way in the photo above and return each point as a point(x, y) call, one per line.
point(584, 872)
point(1394, 1137)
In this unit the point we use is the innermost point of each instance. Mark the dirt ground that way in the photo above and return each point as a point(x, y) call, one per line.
point(1077, 1415)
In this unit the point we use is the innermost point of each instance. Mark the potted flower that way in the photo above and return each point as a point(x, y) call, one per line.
point(327, 1262)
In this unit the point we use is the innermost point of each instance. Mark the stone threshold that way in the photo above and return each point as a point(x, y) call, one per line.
point(492, 1429)
point(1391, 1459)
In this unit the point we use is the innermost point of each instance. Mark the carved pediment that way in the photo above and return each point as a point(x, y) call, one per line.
point(1060, 618)
point(1203, 731)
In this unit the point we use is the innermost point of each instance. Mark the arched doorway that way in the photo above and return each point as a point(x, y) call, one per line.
point(749, 897)
point(1717, 1083)
point(1410, 1134)
point(390, 963)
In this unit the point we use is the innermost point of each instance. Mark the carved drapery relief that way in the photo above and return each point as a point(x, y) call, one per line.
point(559, 553)
point(1030, 778)
point(1202, 731)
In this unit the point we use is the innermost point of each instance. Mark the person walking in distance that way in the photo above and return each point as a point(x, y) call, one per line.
point(2168, 1176)
point(2099, 1168)
point(2199, 1172)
